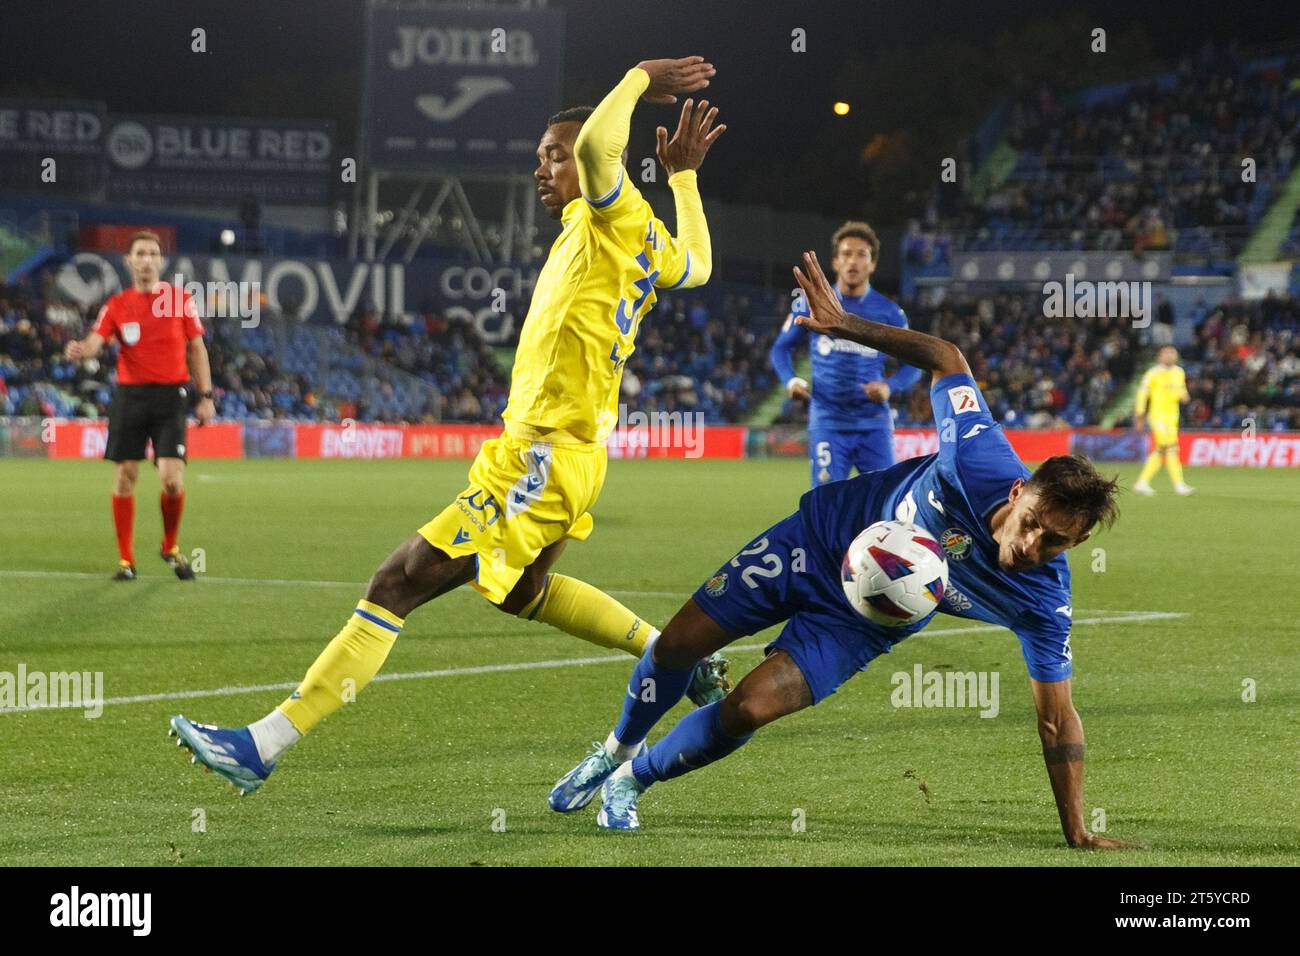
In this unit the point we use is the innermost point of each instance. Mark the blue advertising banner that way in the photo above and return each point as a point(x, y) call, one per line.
point(34, 132)
point(458, 88)
point(320, 290)
point(219, 159)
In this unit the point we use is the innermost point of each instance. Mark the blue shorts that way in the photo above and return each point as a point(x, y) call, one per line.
point(833, 454)
point(783, 576)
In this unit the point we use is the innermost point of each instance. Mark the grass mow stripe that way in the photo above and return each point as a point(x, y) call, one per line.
point(1120, 617)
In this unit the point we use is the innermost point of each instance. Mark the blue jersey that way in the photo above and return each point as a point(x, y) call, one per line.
point(840, 368)
point(952, 494)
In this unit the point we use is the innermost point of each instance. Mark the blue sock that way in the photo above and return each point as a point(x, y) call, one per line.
point(697, 741)
point(652, 691)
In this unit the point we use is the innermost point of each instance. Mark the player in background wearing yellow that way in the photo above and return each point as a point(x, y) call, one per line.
point(1162, 390)
point(532, 489)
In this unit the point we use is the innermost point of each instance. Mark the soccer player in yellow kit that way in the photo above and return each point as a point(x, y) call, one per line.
point(532, 489)
point(1162, 390)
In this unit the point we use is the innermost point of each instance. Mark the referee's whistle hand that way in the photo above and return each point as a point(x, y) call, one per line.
point(205, 411)
point(74, 350)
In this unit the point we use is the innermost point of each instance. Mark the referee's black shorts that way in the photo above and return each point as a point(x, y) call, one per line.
point(144, 413)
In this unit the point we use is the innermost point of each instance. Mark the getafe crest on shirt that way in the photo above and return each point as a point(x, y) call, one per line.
point(956, 543)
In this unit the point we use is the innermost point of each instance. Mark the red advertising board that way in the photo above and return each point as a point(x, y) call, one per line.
point(1029, 445)
point(86, 439)
point(1235, 450)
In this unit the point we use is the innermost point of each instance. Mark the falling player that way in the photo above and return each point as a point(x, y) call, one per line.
point(1162, 390)
point(1005, 533)
point(849, 424)
point(531, 490)
point(159, 348)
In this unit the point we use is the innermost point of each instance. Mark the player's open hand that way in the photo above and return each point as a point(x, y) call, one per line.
point(667, 77)
point(825, 314)
point(695, 134)
point(1090, 841)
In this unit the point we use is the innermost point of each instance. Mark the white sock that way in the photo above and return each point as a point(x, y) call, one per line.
point(624, 771)
point(620, 751)
point(273, 734)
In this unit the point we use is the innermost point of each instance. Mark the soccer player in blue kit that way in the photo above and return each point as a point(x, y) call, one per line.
point(1004, 532)
point(848, 416)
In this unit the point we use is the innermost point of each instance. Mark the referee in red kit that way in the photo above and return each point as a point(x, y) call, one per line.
point(156, 339)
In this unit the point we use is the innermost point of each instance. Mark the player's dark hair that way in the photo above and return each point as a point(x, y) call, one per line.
point(1071, 485)
point(574, 114)
point(143, 234)
point(856, 230)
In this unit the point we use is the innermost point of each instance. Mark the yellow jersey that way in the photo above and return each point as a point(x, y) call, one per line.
point(1161, 391)
point(598, 281)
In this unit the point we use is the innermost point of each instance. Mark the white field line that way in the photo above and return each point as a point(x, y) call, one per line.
point(1120, 617)
point(274, 582)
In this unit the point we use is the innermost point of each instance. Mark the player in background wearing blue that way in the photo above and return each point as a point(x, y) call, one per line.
point(849, 424)
point(1004, 531)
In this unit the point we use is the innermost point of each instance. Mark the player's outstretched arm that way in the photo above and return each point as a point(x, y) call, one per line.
point(1061, 732)
point(603, 137)
point(907, 345)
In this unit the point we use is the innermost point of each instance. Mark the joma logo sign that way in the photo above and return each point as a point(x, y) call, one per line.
point(455, 46)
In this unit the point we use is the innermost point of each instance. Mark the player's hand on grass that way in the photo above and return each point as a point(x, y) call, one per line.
point(695, 134)
point(877, 391)
point(825, 314)
point(205, 411)
point(686, 75)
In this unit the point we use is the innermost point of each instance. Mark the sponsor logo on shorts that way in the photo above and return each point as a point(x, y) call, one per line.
point(956, 543)
point(716, 586)
point(461, 536)
point(479, 501)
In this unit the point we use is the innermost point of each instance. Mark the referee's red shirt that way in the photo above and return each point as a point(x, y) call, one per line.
point(152, 333)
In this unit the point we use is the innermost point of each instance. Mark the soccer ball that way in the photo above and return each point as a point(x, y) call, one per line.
point(894, 574)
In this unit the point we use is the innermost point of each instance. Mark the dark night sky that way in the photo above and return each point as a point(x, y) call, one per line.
point(302, 58)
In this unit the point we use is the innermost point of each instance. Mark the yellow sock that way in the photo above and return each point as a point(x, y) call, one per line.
point(1174, 465)
point(589, 613)
point(1150, 468)
point(346, 665)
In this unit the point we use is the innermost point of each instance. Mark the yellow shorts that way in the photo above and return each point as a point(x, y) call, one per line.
point(1164, 434)
point(522, 496)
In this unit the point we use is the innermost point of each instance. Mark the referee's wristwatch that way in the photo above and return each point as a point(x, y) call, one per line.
point(203, 395)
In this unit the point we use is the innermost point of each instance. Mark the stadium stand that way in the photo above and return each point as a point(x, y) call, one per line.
point(1149, 165)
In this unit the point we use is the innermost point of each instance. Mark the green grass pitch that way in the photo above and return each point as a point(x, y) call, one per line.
point(454, 768)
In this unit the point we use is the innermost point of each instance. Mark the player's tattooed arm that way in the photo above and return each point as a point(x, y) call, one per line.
point(1063, 753)
point(907, 345)
point(1061, 732)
